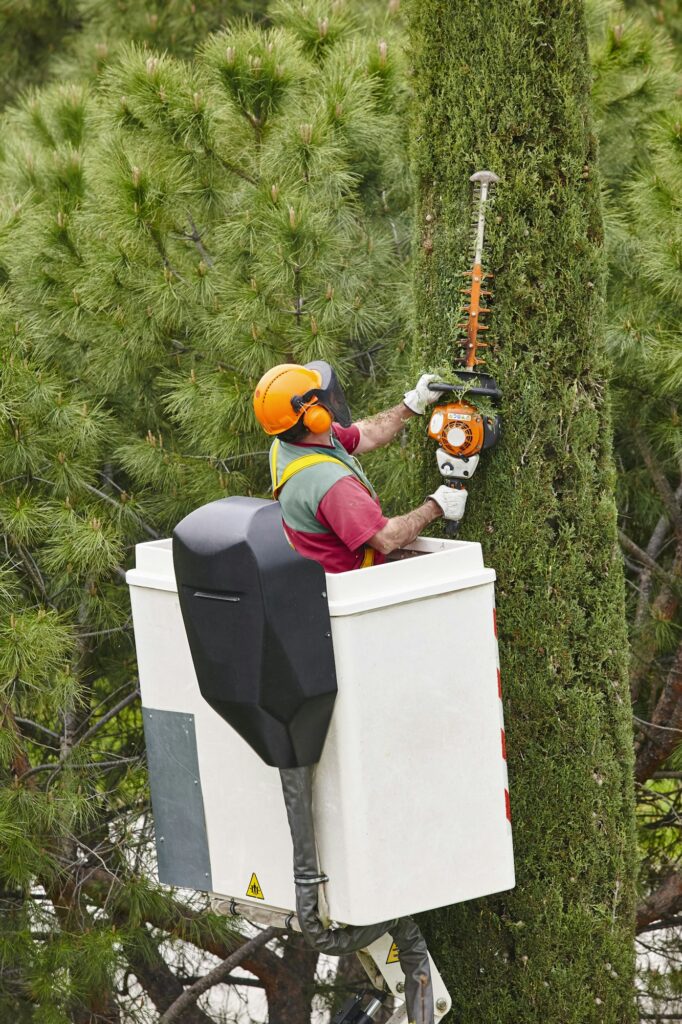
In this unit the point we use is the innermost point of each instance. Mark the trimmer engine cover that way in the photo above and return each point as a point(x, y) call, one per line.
point(258, 627)
point(458, 428)
point(461, 430)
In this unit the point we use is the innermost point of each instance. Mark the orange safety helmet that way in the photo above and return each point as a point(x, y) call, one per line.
point(289, 392)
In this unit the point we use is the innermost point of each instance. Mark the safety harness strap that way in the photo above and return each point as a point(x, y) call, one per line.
point(298, 465)
point(303, 463)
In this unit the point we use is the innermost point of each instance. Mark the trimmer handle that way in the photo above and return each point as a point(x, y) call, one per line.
point(490, 392)
point(452, 525)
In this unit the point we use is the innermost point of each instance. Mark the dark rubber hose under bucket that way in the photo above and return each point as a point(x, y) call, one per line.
point(297, 788)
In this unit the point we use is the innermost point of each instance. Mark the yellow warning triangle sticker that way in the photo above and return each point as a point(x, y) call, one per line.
point(254, 888)
point(393, 955)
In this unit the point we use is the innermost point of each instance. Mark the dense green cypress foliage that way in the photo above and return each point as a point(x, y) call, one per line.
point(506, 86)
point(163, 239)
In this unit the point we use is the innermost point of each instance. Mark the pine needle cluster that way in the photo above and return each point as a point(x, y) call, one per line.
point(637, 93)
point(49, 40)
point(168, 230)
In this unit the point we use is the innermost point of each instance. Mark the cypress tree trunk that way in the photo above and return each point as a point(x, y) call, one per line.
point(505, 85)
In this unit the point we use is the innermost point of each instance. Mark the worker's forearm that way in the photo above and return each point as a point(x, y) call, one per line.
point(382, 428)
point(402, 530)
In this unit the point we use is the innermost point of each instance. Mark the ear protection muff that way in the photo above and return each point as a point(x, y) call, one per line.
point(316, 418)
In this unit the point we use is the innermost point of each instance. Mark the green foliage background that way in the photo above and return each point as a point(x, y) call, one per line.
point(76, 39)
point(178, 211)
point(167, 232)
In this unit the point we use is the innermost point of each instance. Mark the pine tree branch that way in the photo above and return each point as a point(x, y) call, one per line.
point(665, 491)
point(34, 572)
point(653, 549)
point(107, 717)
point(644, 559)
point(662, 741)
point(105, 700)
point(108, 632)
point(19, 762)
point(231, 979)
point(27, 723)
point(80, 740)
point(662, 904)
point(150, 531)
point(161, 985)
point(649, 727)
point(94, 856)
point(663, 609)
point(158, 245)
point(217, 975)
point(229, 166)
point(223, 463)
point(658, 925)
point(195, 237)
point(184, 923)
point(56, 768)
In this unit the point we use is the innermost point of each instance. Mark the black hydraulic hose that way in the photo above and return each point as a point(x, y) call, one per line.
point(297, 788)
point(414, 960)
point(298, 798)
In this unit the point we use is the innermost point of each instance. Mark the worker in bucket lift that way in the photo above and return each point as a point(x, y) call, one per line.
point(330, 510)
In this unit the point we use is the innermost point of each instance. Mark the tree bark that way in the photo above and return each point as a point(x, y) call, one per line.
point(505, 86)
point(162, 987)
point(182, 922)
point(290, 1001)
point(664, 734)
point(664, 903)
point(664, 608)
point(185, 1003)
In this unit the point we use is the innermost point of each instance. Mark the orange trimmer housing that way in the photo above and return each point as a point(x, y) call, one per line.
point(458, 429)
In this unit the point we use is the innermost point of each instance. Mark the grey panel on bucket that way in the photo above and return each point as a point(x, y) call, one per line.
point(177, 800)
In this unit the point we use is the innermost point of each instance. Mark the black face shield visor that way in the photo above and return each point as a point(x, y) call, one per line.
point(329, 394)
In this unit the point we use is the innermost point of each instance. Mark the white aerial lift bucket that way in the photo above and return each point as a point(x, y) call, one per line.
point(410, 800)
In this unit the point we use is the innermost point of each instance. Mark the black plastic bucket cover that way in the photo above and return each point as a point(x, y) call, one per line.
point(258, 627)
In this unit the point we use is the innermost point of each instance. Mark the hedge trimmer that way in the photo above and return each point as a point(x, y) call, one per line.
point(460, 428)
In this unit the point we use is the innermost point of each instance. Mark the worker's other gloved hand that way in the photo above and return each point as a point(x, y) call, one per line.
point(452, 500)
point(420, 396)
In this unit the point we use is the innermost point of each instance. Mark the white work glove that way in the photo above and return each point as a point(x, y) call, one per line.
point(452, 500)
point(421, 395)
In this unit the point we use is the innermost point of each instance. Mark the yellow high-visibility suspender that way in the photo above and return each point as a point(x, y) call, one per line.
point(368, 557)
point(302, 463)
point(295, 467)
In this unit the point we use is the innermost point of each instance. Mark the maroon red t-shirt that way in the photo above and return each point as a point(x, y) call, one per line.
point(348, 512)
